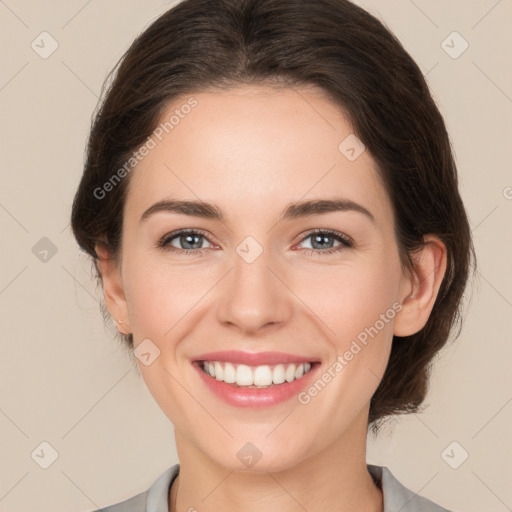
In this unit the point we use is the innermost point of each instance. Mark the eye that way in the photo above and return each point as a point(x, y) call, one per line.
point(190, 240)
point(320, 244)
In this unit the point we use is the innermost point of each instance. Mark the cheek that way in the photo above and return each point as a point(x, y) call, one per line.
point(350, 298)
point(160, 296)
point(359, 308)
point(163, 300)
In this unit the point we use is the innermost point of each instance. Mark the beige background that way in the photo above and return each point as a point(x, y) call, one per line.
point(65, 381)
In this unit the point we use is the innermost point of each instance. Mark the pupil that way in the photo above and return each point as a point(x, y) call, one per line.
point(187, 239)
point(320, 239)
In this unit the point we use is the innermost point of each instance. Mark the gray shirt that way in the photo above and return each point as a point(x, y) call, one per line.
point(397, 498)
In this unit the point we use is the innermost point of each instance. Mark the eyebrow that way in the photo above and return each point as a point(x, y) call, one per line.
point(292, 211)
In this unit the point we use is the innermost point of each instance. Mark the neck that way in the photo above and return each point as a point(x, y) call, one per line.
point(334, 479)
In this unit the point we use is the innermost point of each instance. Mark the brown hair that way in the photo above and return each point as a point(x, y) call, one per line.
point(349, 54)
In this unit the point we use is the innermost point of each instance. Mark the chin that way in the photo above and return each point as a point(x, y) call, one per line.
point(254, 458)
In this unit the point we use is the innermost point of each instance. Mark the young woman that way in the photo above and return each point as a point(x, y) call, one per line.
point(272, 207)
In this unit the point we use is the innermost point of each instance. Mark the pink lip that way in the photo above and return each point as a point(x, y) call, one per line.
point(255, 398)
point(254, 359)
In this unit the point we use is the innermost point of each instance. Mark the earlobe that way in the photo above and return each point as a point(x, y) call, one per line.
point(421, 287)
point(115, 299)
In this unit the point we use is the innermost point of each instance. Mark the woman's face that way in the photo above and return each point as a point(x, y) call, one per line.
point(255, 279)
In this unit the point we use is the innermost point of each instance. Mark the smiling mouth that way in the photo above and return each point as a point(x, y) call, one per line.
point(262, 376)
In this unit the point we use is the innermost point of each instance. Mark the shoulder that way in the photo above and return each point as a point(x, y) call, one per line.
point(154, 499)
point(397, 497)
point(134, 504)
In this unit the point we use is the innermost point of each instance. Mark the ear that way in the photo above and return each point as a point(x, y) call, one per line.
point(419, 289)
point(113, 287)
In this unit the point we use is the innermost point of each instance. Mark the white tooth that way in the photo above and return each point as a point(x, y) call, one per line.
point(290, 373)
point(229, 373)
point(262, 376)
point(278, 375)
point(219, 371)
point(244, 375)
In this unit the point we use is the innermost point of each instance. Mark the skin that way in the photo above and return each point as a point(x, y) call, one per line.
point(252, 150)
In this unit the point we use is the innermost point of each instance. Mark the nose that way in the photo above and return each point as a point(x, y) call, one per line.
point(254, 295)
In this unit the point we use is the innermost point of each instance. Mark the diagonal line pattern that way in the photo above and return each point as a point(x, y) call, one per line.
point(165, 165)
point(485, 15)
point(492, 211)
point(495, 289)
point(13, 13)
point(286, 491)
point(509, 508)
point(14, 423)
point(425, 75)
point(310, 189)
point(81, 285)
point(492, 81)
point(104, 395)
point(417, 493)
point(192, 307)
point(5, 495)
point(424, 13)
point(80, 79)
point(199, 403)
point(75, 484)
point(13, 279)
point(419, 418)
point(285, 418)
point(13, 217)
point(501, 409)
point(300, 299)
point(313, 108)
point(14, 76)
point(76, 14)
point(221, 482)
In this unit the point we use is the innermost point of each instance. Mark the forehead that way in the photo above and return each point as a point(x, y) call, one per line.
point(240, 146)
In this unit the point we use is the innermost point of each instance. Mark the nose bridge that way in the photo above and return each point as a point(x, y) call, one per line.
point(254, 296)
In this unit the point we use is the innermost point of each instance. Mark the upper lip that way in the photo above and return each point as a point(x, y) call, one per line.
point(254, 358)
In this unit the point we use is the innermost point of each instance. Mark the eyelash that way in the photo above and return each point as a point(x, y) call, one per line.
point(346, 242)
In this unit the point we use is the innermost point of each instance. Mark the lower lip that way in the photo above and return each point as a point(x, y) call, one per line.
point(255, 398)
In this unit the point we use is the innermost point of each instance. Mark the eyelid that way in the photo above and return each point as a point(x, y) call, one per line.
point(330, 232)
point(174, 234)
